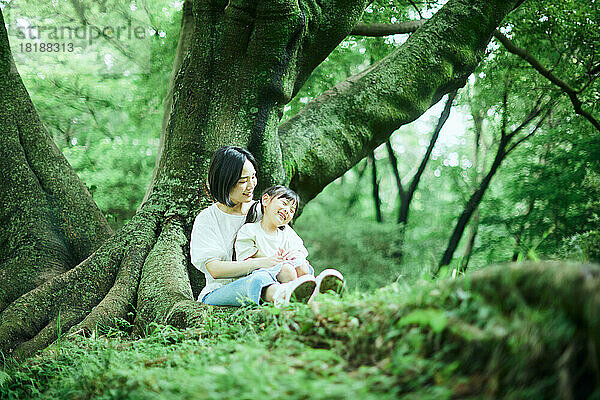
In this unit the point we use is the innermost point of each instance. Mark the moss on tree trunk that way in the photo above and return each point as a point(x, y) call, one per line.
point(49, 221)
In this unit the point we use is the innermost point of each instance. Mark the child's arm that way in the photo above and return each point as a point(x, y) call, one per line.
point(297, 252)
point(245, 248)
point(294, 246)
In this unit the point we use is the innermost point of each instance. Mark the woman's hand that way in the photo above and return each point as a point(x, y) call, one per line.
point(267, 262)
point(290, 254)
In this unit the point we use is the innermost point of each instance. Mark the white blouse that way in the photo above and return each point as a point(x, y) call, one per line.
point(252, 242)
point(212, 238)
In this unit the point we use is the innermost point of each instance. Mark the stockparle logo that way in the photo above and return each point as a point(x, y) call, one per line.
point(47, 40)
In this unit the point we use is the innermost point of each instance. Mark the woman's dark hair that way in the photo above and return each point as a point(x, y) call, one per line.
point(225, 169)
point(273, 192)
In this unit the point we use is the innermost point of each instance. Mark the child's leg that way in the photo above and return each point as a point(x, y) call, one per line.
point(302, 270)
point(287, 273)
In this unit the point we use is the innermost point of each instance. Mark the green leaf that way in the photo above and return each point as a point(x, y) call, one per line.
point(4, 377)
point(436, 319)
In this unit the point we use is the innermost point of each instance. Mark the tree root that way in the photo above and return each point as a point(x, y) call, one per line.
point(165, 294)
point(121, 297)
point(48, 334)
point(107, 280)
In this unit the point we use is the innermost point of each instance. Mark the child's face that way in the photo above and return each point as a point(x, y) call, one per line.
point(279, 210)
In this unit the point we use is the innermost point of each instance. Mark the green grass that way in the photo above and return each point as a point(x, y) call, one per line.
point(480, 337)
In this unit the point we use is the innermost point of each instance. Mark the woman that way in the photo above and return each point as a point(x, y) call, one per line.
point(231, 181)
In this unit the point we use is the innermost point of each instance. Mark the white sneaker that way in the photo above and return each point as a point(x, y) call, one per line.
point(329, 279)
point(299, 290)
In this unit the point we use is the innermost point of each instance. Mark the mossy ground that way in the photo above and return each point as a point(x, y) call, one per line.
point(429, 340)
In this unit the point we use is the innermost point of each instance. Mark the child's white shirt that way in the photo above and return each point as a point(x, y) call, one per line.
point(253, 242)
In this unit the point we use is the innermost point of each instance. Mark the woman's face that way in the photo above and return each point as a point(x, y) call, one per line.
point(243, 190)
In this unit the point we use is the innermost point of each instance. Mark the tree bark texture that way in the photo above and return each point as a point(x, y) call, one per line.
point(49, 221)
point(240, 62)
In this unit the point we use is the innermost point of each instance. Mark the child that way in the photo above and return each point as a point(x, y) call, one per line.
point(272, 236)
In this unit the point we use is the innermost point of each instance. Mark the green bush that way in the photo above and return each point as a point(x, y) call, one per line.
point(366, 252)
point(583, 247)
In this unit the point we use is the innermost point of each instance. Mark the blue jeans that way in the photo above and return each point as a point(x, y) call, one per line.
point(246, 290)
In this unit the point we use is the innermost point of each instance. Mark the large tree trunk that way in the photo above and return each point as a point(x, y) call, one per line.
point(49, 222)
point(244, 62)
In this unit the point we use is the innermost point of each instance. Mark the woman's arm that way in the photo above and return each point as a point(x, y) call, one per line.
point(232, 269)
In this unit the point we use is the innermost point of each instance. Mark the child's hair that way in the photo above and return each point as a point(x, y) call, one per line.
point(276, 192)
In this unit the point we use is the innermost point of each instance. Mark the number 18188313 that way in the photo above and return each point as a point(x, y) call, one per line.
point(44, 47)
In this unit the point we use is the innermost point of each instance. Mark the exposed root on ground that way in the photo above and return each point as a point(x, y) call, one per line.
point(165, 294)
point(99, 290)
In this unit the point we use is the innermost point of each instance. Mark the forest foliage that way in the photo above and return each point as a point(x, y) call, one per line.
point(541, 204)
point(107, 122)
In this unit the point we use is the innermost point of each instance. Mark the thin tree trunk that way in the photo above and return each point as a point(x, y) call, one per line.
point(398, 179)
point(471, 206)
point(474, 225)
point(518, 235)
point(357, 191)
point(503, 150)
point(473, 229)
point(375, 185)
point(414, 182)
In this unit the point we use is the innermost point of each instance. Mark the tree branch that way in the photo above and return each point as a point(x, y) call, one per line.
point(377, 30)
point(532, 114)
point(568, 90)
point(336, 130)
point(411, 26)
point(416, 8)
point(414, 182)
point(537, 126)
point(394, 165)
point(328, 23)
point(436, 133)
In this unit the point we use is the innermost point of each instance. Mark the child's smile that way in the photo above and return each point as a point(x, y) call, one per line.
point(278, 211)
